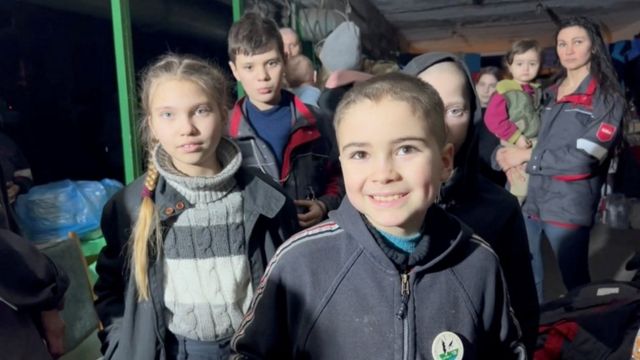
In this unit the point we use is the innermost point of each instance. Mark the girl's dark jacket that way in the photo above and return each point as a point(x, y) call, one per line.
point(491, 211)
point(136, 329)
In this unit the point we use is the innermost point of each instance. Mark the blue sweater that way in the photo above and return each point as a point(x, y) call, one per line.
point(406, 244)
point(273, 125)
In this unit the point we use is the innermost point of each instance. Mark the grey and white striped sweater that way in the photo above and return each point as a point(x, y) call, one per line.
point(207, 276)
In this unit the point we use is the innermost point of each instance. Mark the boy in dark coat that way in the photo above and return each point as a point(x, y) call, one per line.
point(390, 275)
point(277, 133)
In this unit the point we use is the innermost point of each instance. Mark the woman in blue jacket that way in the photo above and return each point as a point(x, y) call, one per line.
point(581, 119)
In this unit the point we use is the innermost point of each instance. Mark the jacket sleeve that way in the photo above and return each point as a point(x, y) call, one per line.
point(264, 333)
point(503, 329)
point(583, 157)
point(515, 262)
point(21, 169)
point(29, 280)
point(496, 118)
point(110, 286)
point(287, 221)
point(334, 189)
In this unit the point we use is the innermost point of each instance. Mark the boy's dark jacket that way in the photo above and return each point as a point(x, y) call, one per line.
point(491, 211)
point(136, 330)
point(330, 292)
point(310, 166)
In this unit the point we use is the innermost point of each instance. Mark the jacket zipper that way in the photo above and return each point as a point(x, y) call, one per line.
point(259, 156)
point(13, 307)
point(405, 292)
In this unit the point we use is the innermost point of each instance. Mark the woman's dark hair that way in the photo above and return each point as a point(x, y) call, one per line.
point(490, 70)
point(601, 67)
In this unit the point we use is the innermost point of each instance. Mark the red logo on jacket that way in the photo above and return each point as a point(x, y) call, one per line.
point(606, 132)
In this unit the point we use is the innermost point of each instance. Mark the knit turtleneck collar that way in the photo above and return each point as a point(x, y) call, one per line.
point(202, 189)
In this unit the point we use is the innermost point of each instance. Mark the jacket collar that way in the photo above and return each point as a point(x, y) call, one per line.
point(239, 126)
point(258, 195)
point(304, 129)
point(259, 198)
point(169, 202)
point(444, 246)
point(583, 95)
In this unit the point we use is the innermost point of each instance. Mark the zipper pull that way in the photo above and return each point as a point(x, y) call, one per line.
point(405, 292)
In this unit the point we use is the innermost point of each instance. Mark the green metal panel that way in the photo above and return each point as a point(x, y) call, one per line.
point(126, 88)
point(238, 10)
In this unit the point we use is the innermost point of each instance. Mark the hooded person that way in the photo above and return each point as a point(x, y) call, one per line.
point(488, 209)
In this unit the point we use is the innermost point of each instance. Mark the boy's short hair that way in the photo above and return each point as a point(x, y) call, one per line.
point(423, 99)
point(253, 34)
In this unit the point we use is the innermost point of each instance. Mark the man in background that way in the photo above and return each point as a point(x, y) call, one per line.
point(291, 42)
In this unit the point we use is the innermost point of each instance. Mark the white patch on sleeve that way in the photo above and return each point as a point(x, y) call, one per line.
point(604, 291)
point(23, 173)
point(594, 149)
point(580, 111)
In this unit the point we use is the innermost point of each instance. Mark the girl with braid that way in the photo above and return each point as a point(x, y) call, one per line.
point(188, 241)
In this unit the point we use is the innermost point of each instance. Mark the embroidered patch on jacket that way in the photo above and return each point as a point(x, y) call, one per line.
point(447, 346)
point(606, 132)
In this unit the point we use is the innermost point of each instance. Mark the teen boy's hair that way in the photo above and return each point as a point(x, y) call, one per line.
point(521, 47)
point(423, 99)
point(253, 34)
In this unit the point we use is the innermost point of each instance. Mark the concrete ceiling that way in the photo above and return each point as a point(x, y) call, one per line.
point(416, 26)
point(489, 26)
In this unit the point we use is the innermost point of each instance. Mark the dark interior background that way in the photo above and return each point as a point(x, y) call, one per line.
point(58, 78)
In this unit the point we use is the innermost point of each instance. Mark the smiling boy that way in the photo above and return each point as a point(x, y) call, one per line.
point(390, 275)
point(277, 133)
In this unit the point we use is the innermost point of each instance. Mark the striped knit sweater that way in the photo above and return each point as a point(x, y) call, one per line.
point(207, 277)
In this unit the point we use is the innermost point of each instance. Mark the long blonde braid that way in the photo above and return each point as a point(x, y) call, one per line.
point(147, 224)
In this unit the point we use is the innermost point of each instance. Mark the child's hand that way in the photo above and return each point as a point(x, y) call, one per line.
point(12, 191)
point(508, 157)
point(523, 142)
point(53, 332)
point(315, 212)
point(515, 174)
